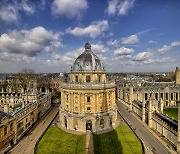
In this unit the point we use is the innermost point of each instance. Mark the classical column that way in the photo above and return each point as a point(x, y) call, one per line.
point(161, 105)
point(178, 135)
point(150, 114)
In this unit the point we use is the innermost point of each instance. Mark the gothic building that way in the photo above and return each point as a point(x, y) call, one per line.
point(88, 99)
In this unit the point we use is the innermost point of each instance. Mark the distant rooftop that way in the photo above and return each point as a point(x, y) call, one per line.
point(3, 114)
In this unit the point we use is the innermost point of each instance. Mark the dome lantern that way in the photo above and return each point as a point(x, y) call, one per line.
point(87, 47)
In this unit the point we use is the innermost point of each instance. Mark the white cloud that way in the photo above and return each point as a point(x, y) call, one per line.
point(152, 42)
point(122, 57)
point(133, 39)
point(123, 51)
point(142, 56)
point(69, 8)
point(113, 43)
point(93, 30)
point(167, 48)
point(164, 49)
point(10, 11)
point(119, 7)
point(98, 48)
point(176, 43)
point(29, 42)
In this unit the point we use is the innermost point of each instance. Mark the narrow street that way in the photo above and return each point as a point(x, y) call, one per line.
point(153, 145)
point(27, 144)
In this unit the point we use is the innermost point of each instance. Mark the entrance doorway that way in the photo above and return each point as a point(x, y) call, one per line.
point(88, 125)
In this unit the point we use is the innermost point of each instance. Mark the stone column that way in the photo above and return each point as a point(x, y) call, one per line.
point(143, 111)
point(161, 105)
point(150, 114)
point(178, 135)
point(130, 97)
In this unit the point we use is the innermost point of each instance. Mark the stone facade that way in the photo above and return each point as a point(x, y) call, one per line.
point(148, 99)
point(18, 113)
point(88, 99)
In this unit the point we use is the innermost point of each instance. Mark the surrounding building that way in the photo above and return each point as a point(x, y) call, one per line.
point(88, 99)
point(148, 99)
point(7, 131)
point(18, 113)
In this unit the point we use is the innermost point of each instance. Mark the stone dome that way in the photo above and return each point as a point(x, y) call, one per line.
point(88, 61)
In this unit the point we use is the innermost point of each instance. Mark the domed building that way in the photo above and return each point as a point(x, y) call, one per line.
point(87, 99)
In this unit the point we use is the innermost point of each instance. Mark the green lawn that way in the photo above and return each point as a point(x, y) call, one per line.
point(57, 141)
point(120, 140)
point(172, 112)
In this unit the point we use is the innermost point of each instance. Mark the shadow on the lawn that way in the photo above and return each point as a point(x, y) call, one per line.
point(107, 143)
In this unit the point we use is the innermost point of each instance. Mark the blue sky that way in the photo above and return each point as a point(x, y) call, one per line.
point(127, 35)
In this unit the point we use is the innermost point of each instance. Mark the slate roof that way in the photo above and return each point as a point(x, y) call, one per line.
point(3, 114)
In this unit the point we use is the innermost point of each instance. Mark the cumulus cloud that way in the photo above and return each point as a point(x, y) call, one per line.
point(69, 8)
point(98, 48)
point(120, 7)
point(176, 43)
point(113, 43)
point(133, 39)
point(142, 56)
point(93, 30)
point(29, 42)
point(10, 10)
point(164, 49)
point(167, 48)
point(123, 51)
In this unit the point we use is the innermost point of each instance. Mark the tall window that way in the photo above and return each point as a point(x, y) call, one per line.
point(88, 78)
point(88, 99)
point(162, 95)
point(156, 96)
point(11, 127)
point(5, 131)
point(76, 78)
point(146, 96)
point(99, 78)
point(176, 96)
point(171, 96)
point(67, 97)
point(166, 96)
